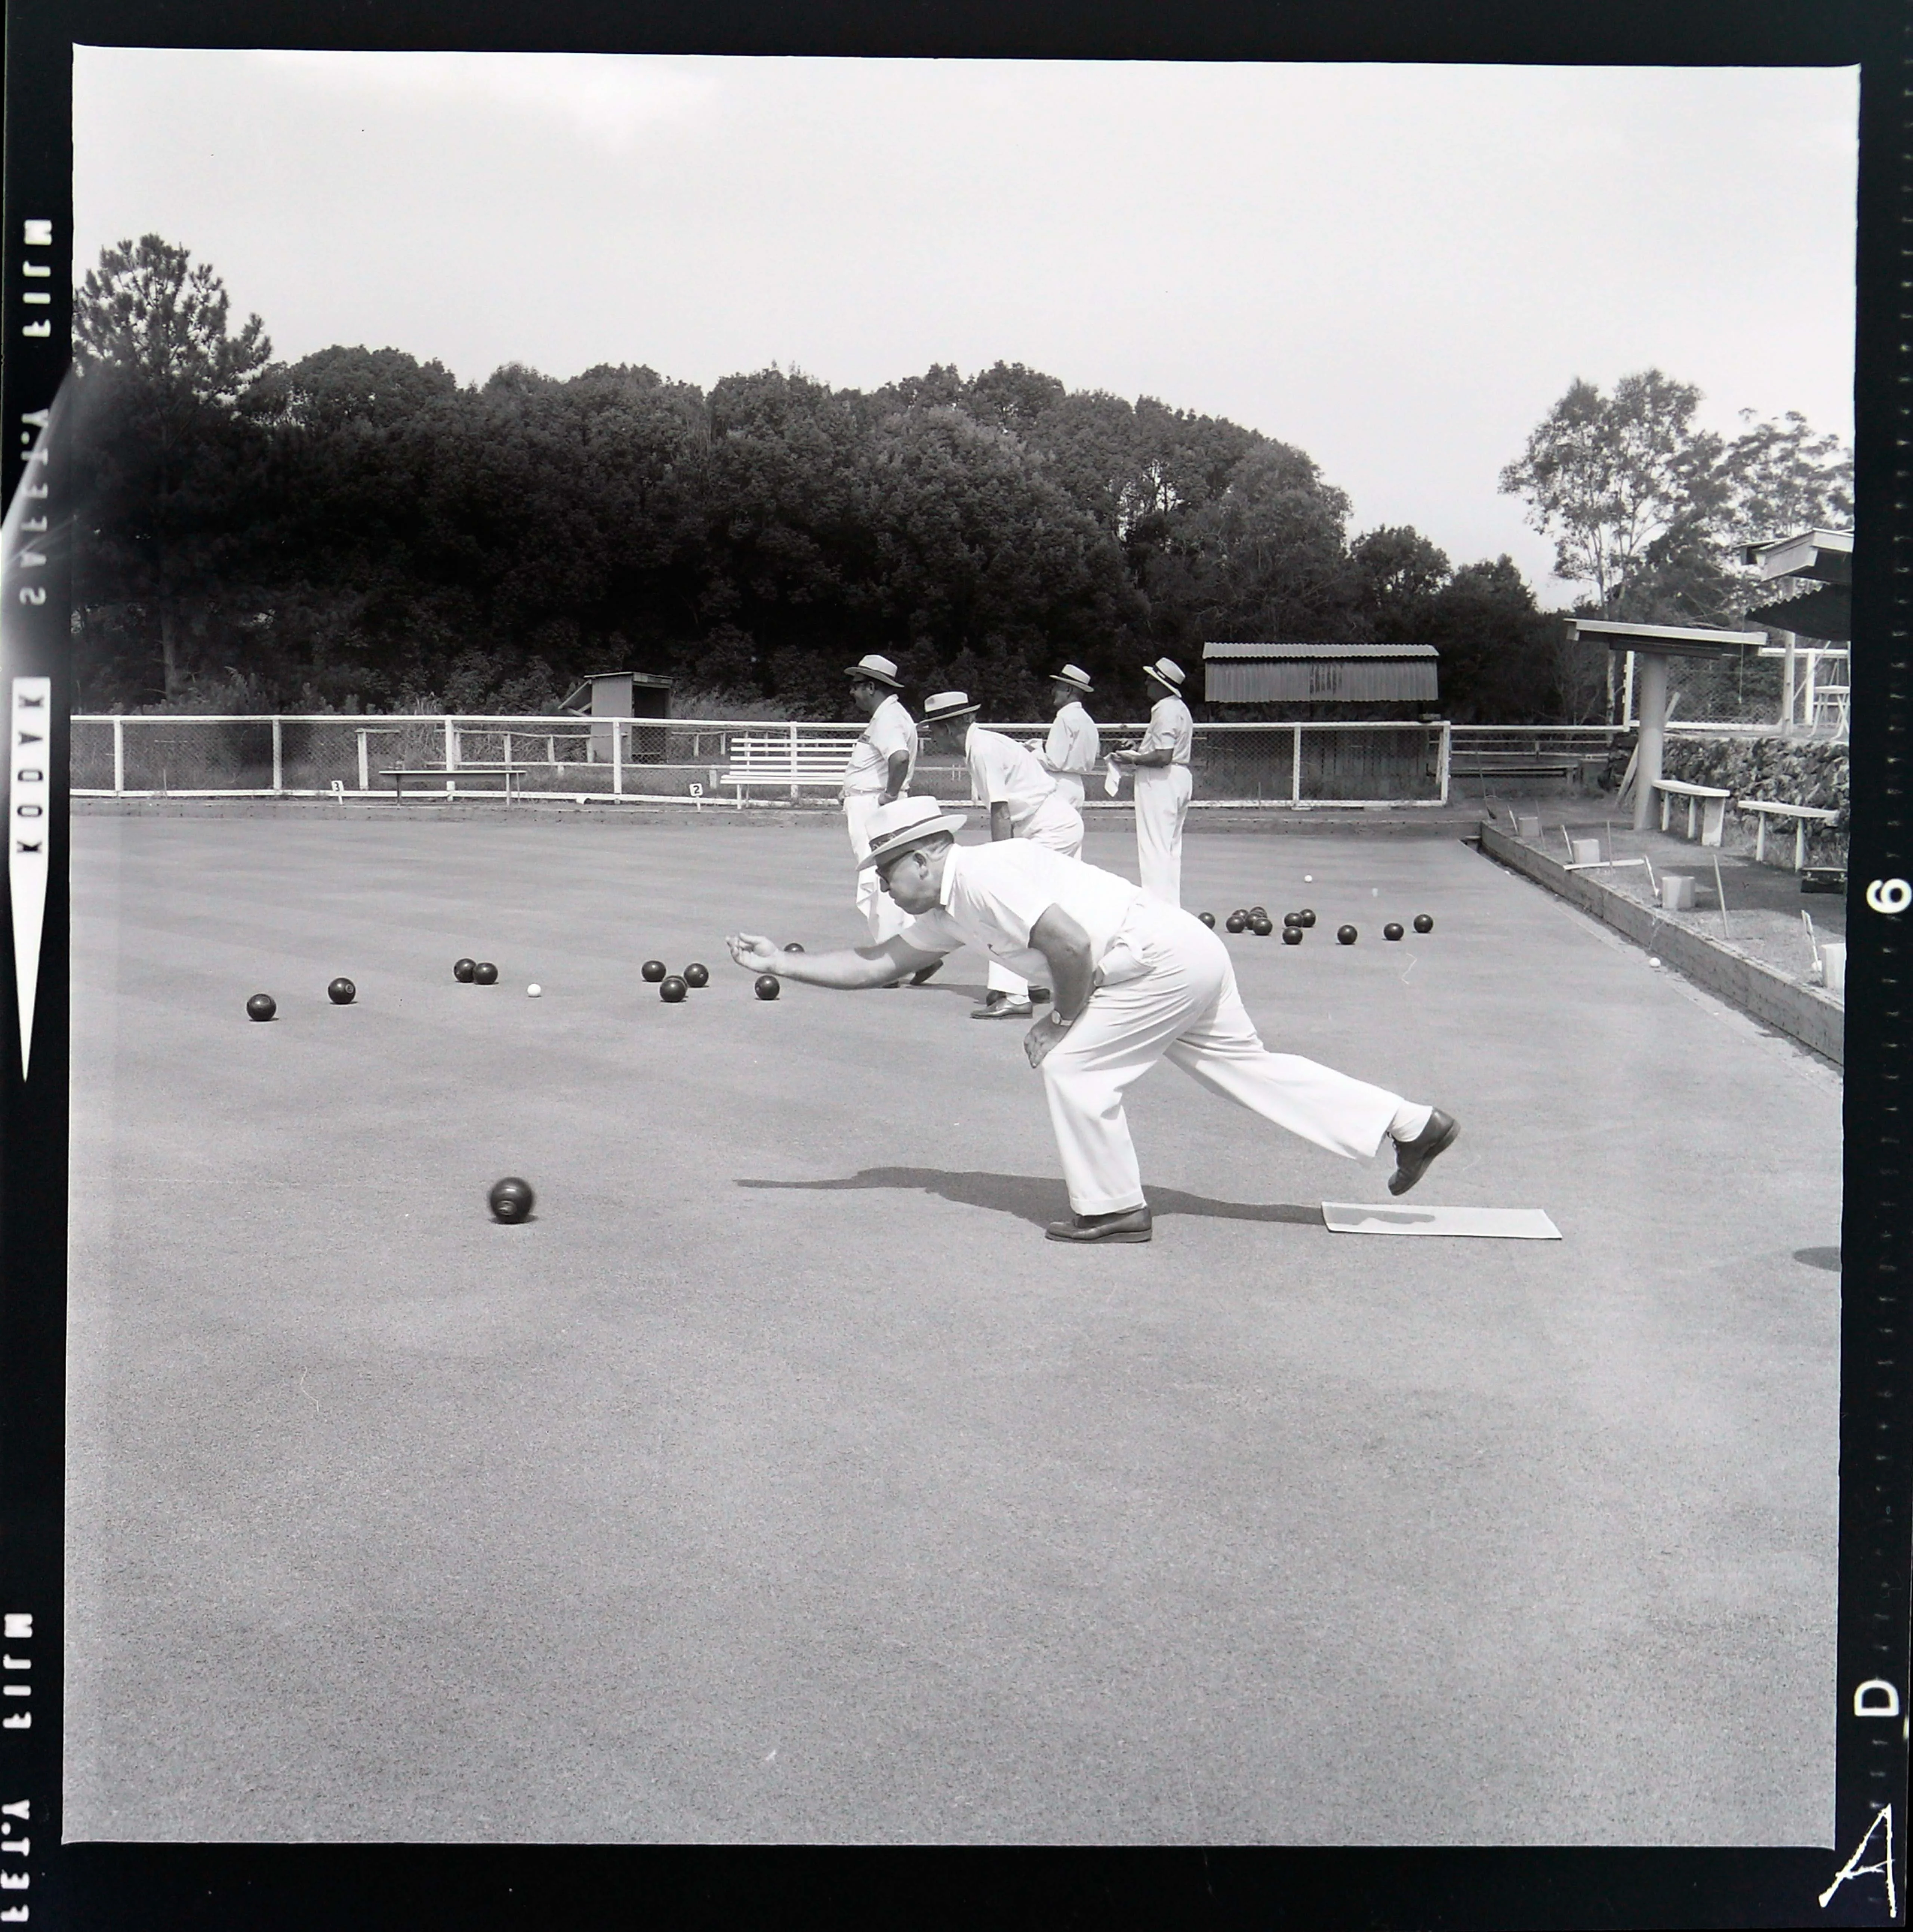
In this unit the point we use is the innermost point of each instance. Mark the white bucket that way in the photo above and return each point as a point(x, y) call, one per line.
point(1677, 891)
point(1832, 965)
point(1587, 851)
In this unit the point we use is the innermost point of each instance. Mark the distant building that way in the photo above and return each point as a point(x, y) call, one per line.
point(1816, 567)
point(1818, 563)
point(609, 698)
point(1304, 680)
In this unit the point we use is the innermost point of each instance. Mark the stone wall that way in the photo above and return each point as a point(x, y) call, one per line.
point(1789, 771)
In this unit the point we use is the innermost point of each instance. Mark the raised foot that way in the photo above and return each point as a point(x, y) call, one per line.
point(1412, 1158)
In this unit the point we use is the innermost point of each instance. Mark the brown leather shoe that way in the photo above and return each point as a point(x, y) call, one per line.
point(1126, 1224)
point(923, 974)
point(1411, 1157)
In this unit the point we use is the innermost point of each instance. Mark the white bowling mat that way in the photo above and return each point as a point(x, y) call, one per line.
point(1507, 1224)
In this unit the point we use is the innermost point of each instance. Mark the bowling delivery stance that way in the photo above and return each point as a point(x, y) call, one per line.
point(1135, 981)
point(1024, 801)
point(1160, 764)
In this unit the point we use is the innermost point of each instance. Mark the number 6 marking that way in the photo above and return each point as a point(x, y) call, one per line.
point(1890, 895)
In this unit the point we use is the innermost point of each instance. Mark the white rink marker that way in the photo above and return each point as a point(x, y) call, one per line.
point(1506, 1224)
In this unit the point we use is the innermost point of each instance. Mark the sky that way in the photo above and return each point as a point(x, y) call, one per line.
point(1399, 269)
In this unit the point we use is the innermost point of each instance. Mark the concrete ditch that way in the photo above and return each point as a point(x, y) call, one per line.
point(1804, 1013)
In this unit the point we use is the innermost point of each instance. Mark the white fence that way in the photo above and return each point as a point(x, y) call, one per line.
point(705, 761)
point(683, 761)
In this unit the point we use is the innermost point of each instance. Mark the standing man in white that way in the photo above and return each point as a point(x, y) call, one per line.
point(1160, 764)
point(880, 763)
point(1136, 981)
point(1074, 746)
point(1025, 802)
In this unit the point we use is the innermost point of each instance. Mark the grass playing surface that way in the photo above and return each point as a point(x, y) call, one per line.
point(778, 1481)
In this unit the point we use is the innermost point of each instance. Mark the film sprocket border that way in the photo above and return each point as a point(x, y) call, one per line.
point(1859, 1880)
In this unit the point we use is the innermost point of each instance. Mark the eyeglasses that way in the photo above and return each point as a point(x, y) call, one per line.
point(885, 867)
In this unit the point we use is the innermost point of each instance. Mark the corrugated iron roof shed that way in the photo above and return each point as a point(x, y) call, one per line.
point(1826, 612)
point(1350, 653)
point(1321, 674)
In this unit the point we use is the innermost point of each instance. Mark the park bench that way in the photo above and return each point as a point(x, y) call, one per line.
point(1527, 764)
point(448, 775)
point(1803, 816)
point(1513, 764)
point(778, 758)
point(1710, 801)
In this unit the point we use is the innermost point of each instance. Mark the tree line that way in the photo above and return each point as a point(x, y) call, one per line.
point(359, 531)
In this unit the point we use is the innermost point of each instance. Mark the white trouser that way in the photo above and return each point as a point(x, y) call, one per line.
point(1183, 1005)
point(885, 916)
point(1069, 789)
point(1056, 826)
point(1162, 801)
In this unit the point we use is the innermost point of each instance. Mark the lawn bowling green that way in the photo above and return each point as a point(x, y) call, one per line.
point(777, 1480)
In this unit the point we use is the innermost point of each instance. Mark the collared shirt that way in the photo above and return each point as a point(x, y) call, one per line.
point(1074, 744)
point(991, 896)
point(1171, 728)
point(890, 729)
point(1004, 773)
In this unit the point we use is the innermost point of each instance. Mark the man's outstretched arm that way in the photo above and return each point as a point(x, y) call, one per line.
point(848, 971)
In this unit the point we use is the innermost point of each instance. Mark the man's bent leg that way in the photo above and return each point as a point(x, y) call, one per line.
point(1122, 1033)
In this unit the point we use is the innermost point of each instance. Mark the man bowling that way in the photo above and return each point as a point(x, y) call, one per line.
point(1134, 981)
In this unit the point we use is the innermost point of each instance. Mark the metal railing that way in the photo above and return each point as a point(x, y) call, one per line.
point(686, 761)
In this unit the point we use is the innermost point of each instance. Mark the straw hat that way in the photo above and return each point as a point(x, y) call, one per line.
point(1166, 672)
point(879, 671)
point(903, 823)
point(947, 704)
point(1074, 676)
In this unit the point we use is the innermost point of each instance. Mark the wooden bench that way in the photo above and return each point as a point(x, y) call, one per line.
point(1575, 765)
point(451, 774)
point(1513, 764)
point(773, 758)
point(1710, 801)
point(1803, 816)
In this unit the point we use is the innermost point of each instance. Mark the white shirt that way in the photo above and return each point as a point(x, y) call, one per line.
point(890, 729)
point(1074, 744)
point(993, 895)
point(1171, 728)
point(1004, 773)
